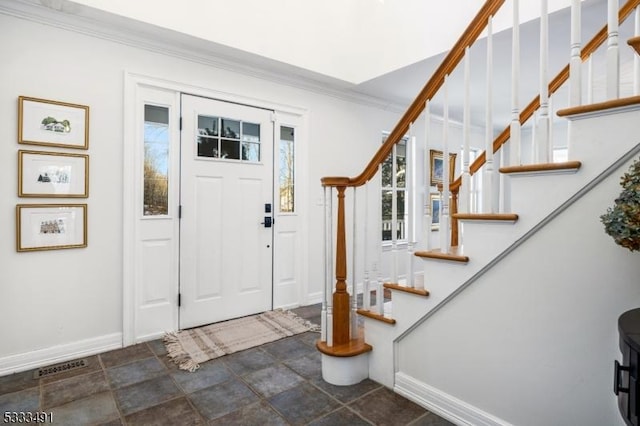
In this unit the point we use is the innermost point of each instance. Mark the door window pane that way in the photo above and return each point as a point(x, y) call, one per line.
point(207, 136)
point(228, 139)
point(230, 149)
point(156, 160)
point(251, 152)
point(286, 169)
point(250, 132)
point(230, 129)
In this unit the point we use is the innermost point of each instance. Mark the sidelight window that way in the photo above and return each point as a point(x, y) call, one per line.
point(286, 176)
point(156, 160)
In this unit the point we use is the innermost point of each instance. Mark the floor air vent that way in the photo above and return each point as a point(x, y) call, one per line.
point(59, 368)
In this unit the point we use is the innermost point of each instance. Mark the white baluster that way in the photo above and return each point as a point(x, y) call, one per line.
point(412, 193)
point(489, 170)
point(353, 316)
point(329, 268)
point(515, 127)
point(379, 295)
point(542, 140)
point(445, 240)
point(465, 189)
point(427, 217)
point(366, 291)
point(613, 52)
point(590, 80)
point(394, 216)
point(575, 64)
point(636, 57)
point(366, 302)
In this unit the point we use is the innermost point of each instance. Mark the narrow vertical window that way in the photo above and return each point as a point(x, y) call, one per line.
point(394, 187)
point(286, 169)
point(156, 160)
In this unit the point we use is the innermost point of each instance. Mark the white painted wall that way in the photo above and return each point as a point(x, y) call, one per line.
point(73, 297)
point(532, 342)
point(356, 41)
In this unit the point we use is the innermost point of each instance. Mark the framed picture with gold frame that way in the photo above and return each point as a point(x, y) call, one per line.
point(52, 123)
point(437, 167)
point(50, 226)
point(52, 174)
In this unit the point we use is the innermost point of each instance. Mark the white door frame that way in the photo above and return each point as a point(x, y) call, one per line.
point(138, 327)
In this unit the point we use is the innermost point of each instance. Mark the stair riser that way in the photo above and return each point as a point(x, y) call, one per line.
point(476, 236)
point(591, 136)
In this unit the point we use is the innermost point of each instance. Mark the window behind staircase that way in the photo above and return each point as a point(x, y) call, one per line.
point(394, 192)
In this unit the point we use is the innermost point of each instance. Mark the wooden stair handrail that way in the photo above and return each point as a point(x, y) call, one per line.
point(554, 85)
point(447, 66)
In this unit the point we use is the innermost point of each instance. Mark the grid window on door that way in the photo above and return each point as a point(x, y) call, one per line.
point(228, 139)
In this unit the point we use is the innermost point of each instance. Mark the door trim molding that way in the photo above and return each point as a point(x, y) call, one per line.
point(131, 273)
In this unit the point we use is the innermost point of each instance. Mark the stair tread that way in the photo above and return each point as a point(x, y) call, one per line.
point(454, 254)
point(376, 316)
point(412, 290)
point(543, 167)
point(506, 217)
point(600, 106)
point(354, 347)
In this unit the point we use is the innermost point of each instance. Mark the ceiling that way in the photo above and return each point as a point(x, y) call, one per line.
point(350, 40)
point(380, 51)
point(401, 86)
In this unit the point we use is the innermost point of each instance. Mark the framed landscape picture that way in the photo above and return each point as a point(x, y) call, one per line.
point(434, 200)
point(437, 167)
point(52, 123)
point(51, 174)
point(50, 226)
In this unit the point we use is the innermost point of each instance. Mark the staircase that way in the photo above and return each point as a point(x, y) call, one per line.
point(428, 341)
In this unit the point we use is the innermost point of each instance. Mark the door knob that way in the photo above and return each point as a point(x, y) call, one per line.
point(267, 222)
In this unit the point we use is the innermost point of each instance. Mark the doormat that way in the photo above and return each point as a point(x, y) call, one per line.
point(190, 348)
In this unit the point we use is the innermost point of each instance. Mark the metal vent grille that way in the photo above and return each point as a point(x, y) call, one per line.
point(59, 368)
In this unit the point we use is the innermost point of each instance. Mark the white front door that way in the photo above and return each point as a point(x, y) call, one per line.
point(226, 196)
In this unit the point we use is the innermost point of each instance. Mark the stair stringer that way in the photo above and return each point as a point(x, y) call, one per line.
point(533, 340)
point(601, 156)
point(534, 199)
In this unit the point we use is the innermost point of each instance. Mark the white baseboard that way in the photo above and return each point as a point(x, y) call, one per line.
point(152, 336)
point(60, 353)
point(443, 404)
point(313, 298)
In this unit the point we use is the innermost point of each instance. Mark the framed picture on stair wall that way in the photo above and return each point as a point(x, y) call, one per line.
point(437, 167)
point(434, 202)
point(52, 123)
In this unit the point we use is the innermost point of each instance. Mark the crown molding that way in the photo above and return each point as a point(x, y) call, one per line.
point(69, 16)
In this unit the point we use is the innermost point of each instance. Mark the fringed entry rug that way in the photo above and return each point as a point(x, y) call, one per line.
point(190, 348)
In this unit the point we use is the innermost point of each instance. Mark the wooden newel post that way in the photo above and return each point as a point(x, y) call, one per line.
point(341, 333)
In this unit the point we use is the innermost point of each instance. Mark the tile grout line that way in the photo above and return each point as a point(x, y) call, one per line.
point(111, 390)
point(184, 395)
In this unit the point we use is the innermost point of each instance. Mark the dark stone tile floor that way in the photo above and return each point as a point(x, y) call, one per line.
point(279, 383)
